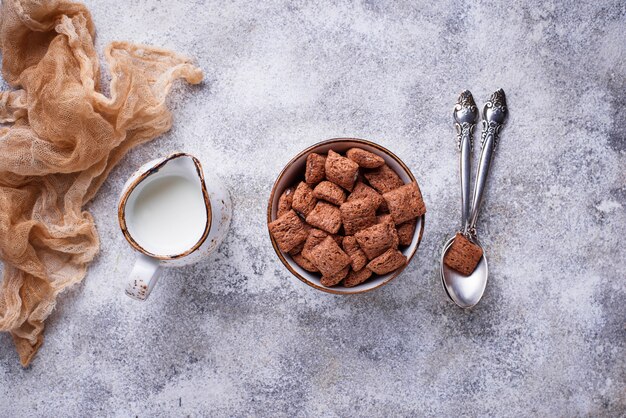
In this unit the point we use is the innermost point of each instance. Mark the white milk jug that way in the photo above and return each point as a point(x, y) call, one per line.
point(173, 214)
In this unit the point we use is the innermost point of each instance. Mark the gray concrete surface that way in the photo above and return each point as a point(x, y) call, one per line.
point(237, 336)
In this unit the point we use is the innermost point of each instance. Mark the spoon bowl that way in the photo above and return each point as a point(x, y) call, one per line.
point(465, 291)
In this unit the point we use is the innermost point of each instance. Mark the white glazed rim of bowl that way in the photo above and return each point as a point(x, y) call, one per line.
point(295, 168)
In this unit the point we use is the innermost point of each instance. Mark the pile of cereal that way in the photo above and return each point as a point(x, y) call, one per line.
point(348, 218)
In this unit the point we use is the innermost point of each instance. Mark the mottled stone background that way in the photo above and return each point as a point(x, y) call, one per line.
point(237, 335)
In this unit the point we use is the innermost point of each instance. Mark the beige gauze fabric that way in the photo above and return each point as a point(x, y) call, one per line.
point(59, 139)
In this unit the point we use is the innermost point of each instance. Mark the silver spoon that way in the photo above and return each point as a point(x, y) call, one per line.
point(466, 291)
point(465, 115)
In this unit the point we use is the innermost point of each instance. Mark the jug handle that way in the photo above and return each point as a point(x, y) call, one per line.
point(143, 277)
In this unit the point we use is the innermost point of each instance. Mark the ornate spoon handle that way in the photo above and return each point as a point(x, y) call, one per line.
point(494, 115)
point(465, 115)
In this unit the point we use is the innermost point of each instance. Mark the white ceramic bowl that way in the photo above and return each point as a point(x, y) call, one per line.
point(294, 173)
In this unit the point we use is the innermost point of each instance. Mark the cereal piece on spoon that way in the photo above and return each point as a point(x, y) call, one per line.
point(383, 179)
point(357, 215)
point(314, 172)
point(364, 158)
point(463, 255)
point(288, 231)
point(341, 170)
point(326, 217)
point(357, 277)
point(387, 262)
point(330, 192)
point(329, 258)
point(358, 257)
point(303, 200)
point(284, 202)
point(405, 203)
